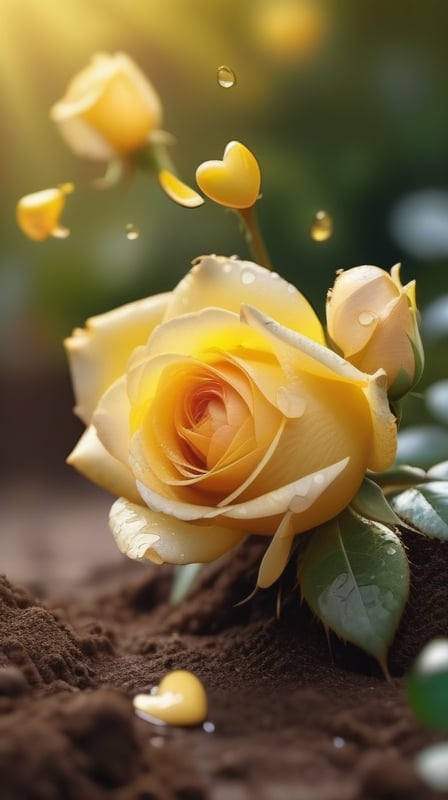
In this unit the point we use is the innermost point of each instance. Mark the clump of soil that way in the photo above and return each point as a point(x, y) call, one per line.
point(294, 715)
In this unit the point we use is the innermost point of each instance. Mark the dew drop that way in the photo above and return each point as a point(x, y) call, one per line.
point(390, 551)
point(366, 318)
point(132, 232)
point(291, 289)
point(208, 727)
point(319, 479)
point(322, 227)
point(247, 277)
point(226, 77)
point(338, 742)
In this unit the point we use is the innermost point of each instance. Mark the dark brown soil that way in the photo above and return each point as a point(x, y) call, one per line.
point(295, 716)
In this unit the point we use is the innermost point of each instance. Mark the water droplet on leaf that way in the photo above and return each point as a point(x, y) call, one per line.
point(132, 232)
point(322, 227)
point(226, 77)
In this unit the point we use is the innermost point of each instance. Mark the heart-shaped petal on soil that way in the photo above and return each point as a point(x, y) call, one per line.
point(233, 182)
point(180, 699)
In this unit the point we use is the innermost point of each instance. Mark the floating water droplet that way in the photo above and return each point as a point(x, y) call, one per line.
point(247, 277)
point(366, 318)
point(226, 77)
point(132, 232)
point(208, 727)
point(322, 227)
point(338, 742)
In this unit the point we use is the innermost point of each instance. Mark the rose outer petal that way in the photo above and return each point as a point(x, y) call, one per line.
point(228, 283)
point(143, 534)
point(91, 459)
point(98, 354)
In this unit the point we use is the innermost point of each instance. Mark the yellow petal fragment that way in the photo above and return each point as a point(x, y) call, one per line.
point(178, 191)
point(233, 182)
point(180, 699)
point(38, 214)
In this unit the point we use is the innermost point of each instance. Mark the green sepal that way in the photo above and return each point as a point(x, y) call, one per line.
point(371, 504)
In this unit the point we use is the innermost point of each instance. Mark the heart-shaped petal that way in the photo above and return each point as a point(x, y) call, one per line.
point(233, 182)
point(180, 699)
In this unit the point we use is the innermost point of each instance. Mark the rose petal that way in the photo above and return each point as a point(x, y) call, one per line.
point(296, 496)
point(228, 282)
point(111, 420)
point(94, 462)
point(144, 534)
point(276, 556)
point(297, 353)
point(98, 353)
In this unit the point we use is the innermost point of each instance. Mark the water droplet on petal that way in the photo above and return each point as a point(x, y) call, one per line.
point(227, 267)
point(322, 227)
point(226, 77)
point(319, 479)
point(132, 232)
point(366, 318)
point(247, 277)
point(291, 288)
point(391, 551)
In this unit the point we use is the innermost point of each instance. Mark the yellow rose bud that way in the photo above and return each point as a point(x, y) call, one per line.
point(38, 214)
point(216, 411)
point(110, 109)
point(233, 182)
point(372, 321)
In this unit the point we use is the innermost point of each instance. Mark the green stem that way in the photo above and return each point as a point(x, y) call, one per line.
point(254, 238)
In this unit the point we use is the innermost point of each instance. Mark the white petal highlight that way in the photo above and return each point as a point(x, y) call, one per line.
point(144, 535)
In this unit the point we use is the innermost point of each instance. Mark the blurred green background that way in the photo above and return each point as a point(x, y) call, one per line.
point(345, 105)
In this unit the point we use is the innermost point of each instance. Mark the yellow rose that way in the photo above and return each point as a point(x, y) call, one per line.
point(372, 320)
point(216, 411)
point(110, 109)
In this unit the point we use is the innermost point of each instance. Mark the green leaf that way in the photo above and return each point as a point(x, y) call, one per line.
point(399, 476)
point(427, 685)
point(422, 445)
point(425, 507)
point(439, 472)
point(355, 577)
point(183, 581)
point(436, 397)
point(370, 503)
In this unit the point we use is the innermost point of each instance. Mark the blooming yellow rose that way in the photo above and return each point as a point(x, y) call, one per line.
point(110, 109)
point(372, 320)
point(216, 411)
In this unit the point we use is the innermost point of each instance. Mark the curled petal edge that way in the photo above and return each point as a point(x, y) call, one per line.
point(146, 535)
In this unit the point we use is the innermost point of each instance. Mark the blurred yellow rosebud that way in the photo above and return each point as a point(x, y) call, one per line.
point(233, 182)
point(38, 214)
point(109, 110)
point(372, 320)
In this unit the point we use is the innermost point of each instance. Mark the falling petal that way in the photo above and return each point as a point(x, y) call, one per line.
point(179, 192)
